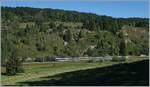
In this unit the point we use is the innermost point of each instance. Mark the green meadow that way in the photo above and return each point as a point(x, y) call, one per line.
point(50, 73)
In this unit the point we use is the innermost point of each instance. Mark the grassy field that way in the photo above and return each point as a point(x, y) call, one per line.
point(62, 72)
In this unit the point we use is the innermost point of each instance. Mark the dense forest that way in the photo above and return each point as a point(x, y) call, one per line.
point(34, 33)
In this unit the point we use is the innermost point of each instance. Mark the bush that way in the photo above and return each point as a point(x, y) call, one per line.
point(14, 66)
point(90, 61)
point(49, 59)
point(10, 71)
point(118, 59)
point(39, 59)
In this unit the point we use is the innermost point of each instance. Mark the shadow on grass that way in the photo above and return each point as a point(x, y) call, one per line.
point(136, 73)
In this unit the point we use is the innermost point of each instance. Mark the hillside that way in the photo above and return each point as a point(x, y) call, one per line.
point(35, 33)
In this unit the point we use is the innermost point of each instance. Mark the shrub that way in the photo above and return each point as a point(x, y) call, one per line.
point(39, 59)
point(90, 61)
point(14, 66)
point(49, 59)
point(118, 59)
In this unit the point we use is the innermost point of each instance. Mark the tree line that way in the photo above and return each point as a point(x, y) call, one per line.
point(90, 21)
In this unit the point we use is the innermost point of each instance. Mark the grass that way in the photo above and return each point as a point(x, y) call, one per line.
point(37, 72)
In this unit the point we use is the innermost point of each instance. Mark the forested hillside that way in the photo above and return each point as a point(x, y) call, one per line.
point(34, 32)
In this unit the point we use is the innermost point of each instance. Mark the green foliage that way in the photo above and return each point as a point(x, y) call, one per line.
point(14, 64)
point(68, 36)
point(52, 25)
point(106, 44)
point(90, 21)
point(123, 44)
point(50, 33)
point(119, 59)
